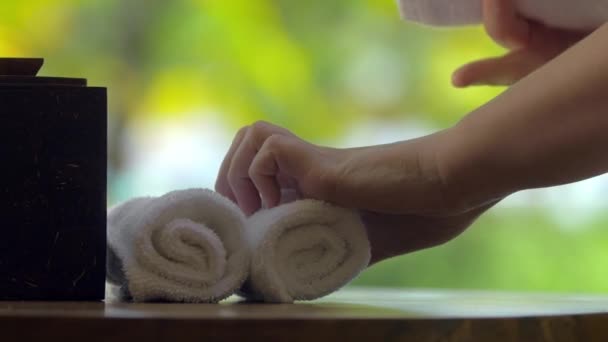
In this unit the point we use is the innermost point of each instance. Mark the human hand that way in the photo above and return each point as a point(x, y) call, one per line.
point(530, 45)
point(397, 188)
point(265, 160)
point(401, 178)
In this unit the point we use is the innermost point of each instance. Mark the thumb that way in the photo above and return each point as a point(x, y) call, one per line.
point(504, 70)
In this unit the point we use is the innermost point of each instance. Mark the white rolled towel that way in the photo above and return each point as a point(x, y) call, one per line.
point(304, 250)
point(567, 14)
point(185, 246)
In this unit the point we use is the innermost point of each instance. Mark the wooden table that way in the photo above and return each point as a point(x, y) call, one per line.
point(352, 314)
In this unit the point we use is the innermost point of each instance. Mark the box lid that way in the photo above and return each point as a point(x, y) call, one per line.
point(21, 72)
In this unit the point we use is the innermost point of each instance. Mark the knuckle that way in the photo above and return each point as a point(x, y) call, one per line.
point(273, 142)
point(241, 132)
point(261, 126)
point(232, 176)
point(260, 131)
point(253, 172)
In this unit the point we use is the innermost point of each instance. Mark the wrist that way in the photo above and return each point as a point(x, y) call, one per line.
point(471, 175)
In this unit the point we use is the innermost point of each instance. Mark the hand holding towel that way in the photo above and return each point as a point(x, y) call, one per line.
point(185, 246)
point(566, 14)
point(304, 250)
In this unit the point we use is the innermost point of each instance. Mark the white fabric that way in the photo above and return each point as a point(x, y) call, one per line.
point(304, 250)
point(568, 14)
point(185, 246)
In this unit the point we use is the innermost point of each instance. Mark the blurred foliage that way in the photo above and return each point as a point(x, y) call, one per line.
point(289, 62)
point(316, 67)
point(510, 249)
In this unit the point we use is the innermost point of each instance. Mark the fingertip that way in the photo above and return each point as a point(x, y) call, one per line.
point(460, 78)
point(231, 197)
point(246, 196)
point(268, 203)
point(457, 80)
point(250, 207)
point(224, 189)
point(248, 211)
point(269, 190)
point(271, 197)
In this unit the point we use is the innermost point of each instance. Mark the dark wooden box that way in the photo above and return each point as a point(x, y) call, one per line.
point(53, 159)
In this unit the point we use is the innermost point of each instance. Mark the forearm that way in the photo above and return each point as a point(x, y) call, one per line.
point(550, 128)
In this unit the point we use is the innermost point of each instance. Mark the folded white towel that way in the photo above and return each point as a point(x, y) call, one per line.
point(568, 14)
point(185, 246)
point(304, 250)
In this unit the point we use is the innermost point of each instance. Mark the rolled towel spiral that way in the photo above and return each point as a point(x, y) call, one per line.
point(304, 250)
point(185, 246)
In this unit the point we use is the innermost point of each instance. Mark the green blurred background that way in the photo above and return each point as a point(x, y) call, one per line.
point(184, 75)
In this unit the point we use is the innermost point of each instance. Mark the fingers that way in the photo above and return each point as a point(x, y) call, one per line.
point(264, 160)
point(507, 28)
point(280, 157)
point(221, 184)
point(504, 25)
point(242, 188)
point(504, 70)
point(264, 170)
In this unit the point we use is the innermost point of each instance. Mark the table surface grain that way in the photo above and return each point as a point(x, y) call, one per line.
point(355, 314)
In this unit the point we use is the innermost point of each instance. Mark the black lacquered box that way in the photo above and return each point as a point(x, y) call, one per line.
point(53, 185)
